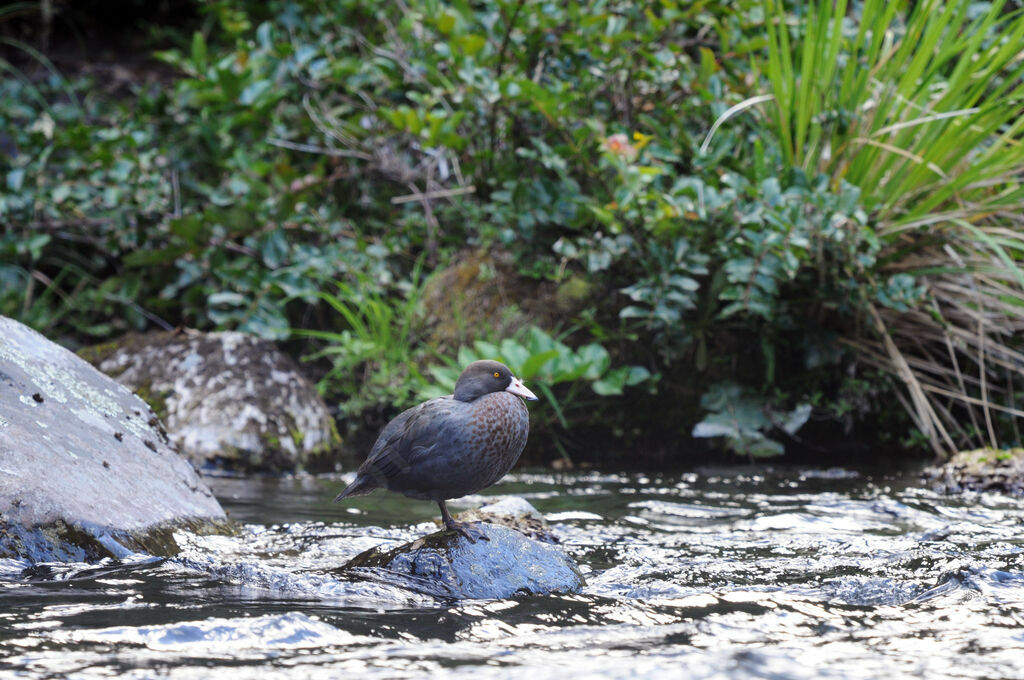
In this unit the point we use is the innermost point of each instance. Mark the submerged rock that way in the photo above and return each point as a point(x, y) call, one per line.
point(86, 470)
point(227, 398)
point(980, 470)
point(446, 565)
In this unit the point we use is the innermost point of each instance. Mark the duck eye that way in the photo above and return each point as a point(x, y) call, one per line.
point(497, 375)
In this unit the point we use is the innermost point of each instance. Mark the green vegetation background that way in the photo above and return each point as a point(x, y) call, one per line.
point(692, 227)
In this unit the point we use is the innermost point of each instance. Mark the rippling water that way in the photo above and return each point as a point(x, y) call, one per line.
point(731, 573)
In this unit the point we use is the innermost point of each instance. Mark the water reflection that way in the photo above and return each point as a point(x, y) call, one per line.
point(720, 573)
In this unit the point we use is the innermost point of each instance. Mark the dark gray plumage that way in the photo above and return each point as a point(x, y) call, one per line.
point(451, 446)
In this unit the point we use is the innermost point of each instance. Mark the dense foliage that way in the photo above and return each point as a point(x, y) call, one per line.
point(761, 215)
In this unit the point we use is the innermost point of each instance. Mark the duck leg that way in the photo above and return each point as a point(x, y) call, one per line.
point(472, 533)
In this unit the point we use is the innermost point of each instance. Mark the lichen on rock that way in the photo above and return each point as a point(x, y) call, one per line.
point(86, 470)
point(226, 398)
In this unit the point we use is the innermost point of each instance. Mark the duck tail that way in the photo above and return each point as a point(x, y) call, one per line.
point(360, 486)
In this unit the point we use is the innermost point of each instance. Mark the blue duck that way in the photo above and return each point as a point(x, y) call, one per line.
point(451, 446)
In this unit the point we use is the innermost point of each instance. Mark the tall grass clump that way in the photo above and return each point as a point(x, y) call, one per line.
point(918, 105)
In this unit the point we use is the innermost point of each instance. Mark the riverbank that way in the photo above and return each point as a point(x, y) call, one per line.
point(655, 215)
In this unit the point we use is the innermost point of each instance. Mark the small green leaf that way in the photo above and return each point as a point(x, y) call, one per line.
point(227, 299)
point(637, 375)
point(255, 93)
point(15, 178)
point(147, 258)
point(60, 193)
point(198, 52)
point(612, 383)
point(471, 44)
point(446, 22)
point(274, 249)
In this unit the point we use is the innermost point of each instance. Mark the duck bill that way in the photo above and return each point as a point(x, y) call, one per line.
point(517, 388)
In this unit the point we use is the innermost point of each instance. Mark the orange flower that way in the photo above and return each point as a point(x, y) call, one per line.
point(618, 145)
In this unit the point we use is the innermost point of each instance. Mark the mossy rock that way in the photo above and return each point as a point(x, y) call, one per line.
point(982, 469)
point(482, 295)
point(61, 541)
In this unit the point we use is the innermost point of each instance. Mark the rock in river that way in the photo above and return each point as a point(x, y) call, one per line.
point(449, 566)
point(227, 398)
point(980, 470)
point(86, 470)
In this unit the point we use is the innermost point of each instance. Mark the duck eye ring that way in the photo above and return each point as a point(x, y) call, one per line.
point(497, 374)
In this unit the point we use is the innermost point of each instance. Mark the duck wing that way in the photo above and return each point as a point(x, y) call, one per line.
point(410, 437)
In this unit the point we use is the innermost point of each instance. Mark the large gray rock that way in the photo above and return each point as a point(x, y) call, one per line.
point(226, 398)
point(86, 470)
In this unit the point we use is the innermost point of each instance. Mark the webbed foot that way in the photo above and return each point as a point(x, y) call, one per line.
point(470, 530)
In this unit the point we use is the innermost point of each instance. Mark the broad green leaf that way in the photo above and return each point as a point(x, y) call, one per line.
point(535, 362)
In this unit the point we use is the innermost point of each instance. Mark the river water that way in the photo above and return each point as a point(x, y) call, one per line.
point(739, 572)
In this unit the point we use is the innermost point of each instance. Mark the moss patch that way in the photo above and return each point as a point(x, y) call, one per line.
point(96, 354)
point(63, 542)
point(157, 400)
point(981, 470)
point(482, 295)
